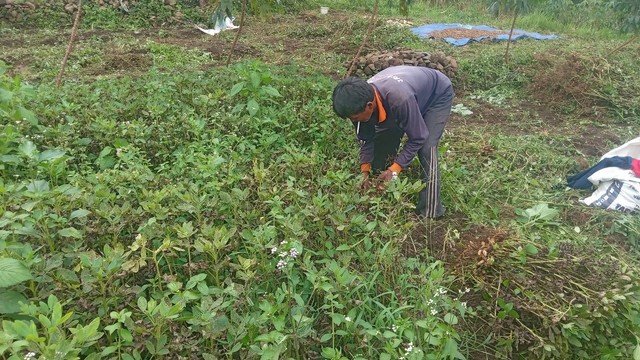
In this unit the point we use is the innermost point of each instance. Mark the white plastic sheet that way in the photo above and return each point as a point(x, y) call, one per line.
point(618, 189)
point(227, 25)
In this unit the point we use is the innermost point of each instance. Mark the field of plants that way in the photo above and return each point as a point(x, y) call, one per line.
point(161, 204)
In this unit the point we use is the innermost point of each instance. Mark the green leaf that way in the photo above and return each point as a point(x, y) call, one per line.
point(21, 329)
point(38, 186)
point(10, 301)
point(450, 350)
point(10, 159)
point(28, 206)
point(87, 332)
point(270, 90)
point(636, 352)
point(451, 319)
point(49, 155)
point(252, 107)
point(106, 151)
point(80, 213)
point(326, 337)
point(27, 115)
point(108, 350)
point(220, 324)
point(255, 79)
point(68, 276)
point(539, 213)
point(13, 272)
point(70, 232)
point(195, 279)
point(270, 353)
point(236, 88)
point(389, 334)
point(142, 303)
point(5, 95)
point(531, 249)
point(343, 247)
point(28, 149)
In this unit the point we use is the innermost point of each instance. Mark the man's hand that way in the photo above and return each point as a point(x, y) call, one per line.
point(385, 177)
point(366, 182)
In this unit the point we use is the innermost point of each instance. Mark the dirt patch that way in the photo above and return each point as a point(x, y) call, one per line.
point(518, 289)
point(567, 80)
point(595, 141)
point(218, 46)
point(448, 241)
point(136, 59)
point(12, 42)
point(576, 216)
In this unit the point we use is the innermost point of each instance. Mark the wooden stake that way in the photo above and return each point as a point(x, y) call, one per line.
point(74, 33)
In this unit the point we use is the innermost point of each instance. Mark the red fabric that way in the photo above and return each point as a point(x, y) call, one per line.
point(635, 166)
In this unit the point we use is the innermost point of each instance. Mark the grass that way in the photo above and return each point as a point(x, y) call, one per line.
point(169, 213)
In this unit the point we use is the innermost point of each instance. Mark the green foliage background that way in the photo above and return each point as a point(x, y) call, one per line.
point(155, 211)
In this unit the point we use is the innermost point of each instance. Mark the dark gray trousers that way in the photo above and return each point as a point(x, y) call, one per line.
point(387, 142)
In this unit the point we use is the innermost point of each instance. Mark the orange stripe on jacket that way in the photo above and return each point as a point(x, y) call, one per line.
point(382, 113)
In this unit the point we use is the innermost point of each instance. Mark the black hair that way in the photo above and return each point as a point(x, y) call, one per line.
point(350, 96)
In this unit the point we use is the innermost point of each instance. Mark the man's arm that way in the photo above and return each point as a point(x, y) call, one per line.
point(366, 135)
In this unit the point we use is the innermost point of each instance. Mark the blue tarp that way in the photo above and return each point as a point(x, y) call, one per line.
point(426, 30)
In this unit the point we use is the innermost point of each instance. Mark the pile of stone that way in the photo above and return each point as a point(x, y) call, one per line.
point(373, 63)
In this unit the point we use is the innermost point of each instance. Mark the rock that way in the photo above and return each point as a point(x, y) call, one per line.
point(372, 63)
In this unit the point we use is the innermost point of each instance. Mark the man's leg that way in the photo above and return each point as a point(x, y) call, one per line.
point(430, 202)
point(386, 146)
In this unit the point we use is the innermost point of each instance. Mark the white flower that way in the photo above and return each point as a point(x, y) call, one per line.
point(138, 237)
point(293, 253)
point(30, 355)
point(467, 290)
point(347, 319)
point(409, 347)
point(281, 264)
point(434, 312)
point(394, 328)
point(464, 304)
point(118, 152)
point(283, 242)
point(274, 250)
point(283, 254)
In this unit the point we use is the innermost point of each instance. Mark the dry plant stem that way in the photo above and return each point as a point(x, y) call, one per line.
point(634, 37)
point(74, 33)
point(513, 24)
point(235, 40)
point(364, 39)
